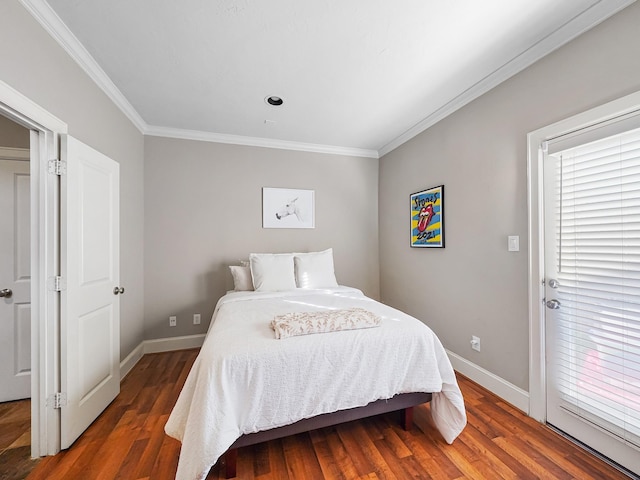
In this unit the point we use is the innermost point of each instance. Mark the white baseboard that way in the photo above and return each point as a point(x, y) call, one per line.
point(130, 361)
point(505, 390)
point(173, 343)
point(156, 346)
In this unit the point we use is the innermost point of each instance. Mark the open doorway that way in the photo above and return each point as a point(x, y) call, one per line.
point(67, 179)
point(15, 300)
point(44, 131)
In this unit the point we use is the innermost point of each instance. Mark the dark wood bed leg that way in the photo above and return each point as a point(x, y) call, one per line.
point(230, 463)
point(407, 418)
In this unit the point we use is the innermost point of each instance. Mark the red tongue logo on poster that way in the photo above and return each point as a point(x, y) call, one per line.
point(426, 213)
point(427, 218)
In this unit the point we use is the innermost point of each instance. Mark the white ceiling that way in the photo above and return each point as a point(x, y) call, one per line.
point(357, 76)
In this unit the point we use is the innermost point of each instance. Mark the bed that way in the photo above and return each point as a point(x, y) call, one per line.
point(248, 386)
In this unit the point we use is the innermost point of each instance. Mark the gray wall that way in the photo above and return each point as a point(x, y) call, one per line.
point(32, 63)
point(13, 135)
point(475, 286)
point(203, 212)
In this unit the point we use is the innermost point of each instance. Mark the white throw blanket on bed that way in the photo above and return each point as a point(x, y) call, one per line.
point(244, 380)
point(305, 323)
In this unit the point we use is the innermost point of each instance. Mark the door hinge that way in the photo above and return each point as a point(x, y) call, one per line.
point(57, 284)
point(57, 167)
point(58, 400)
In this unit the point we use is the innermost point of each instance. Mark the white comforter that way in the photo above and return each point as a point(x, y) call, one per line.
point(244, 380)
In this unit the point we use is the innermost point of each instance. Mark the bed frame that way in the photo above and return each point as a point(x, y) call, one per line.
point(404, 402)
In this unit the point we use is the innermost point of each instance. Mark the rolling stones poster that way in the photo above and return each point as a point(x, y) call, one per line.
point(427, 218)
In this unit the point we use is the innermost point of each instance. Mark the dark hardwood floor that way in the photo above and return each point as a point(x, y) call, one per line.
point(128, 442)
point(15, 440)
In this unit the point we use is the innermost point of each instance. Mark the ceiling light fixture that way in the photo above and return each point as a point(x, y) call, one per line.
point(273, 100)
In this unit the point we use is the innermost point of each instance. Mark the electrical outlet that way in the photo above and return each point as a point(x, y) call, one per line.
point(172, 320)
point(196, 319)
point(475, 343)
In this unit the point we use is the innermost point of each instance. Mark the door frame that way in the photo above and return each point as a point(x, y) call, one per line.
point(535, 197)
point(45, 261)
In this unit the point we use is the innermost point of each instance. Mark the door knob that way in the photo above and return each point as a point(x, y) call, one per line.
point(6, 293)
point(553, 304)
point(118, 290)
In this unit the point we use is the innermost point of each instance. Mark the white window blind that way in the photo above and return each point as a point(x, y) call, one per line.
point(598, 246)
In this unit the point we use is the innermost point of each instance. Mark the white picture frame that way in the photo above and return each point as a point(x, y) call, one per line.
point(288, 208)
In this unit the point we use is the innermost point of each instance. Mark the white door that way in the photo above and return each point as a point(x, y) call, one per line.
point(15, 281)
point(90, 300)
point(592, 296)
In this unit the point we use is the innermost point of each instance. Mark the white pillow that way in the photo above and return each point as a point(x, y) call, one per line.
point(242, 280)
point(272, 272)
point(315, 270)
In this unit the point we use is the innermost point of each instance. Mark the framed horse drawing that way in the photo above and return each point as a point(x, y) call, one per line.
point(288, 208)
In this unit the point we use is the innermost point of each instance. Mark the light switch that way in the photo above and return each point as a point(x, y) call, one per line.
point(514, 243)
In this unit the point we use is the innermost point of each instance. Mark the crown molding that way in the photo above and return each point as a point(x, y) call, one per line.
point(257, 142)
point(563, 35)
point(54, 25)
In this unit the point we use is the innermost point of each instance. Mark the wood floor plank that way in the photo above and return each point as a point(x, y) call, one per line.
point(300, 458)
point(15, 421)
point(414, 468)
point(130, 462)
point(277, 462)
point(371, 476)
point(245, 463)
point(360, 461)
point(13, 461)
point(342, 456)
point(261, 464)
point(152, 450)
point(502, 462)
point(329, 465)
point(425, 456)
point(111, 454)
point(371, 452)
point(396, 444)
point(61, 465)
point(496, 458)
point(128, 442)
point(589, 464)
point(435, 445)
point(483, 424)
point(392, 462)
